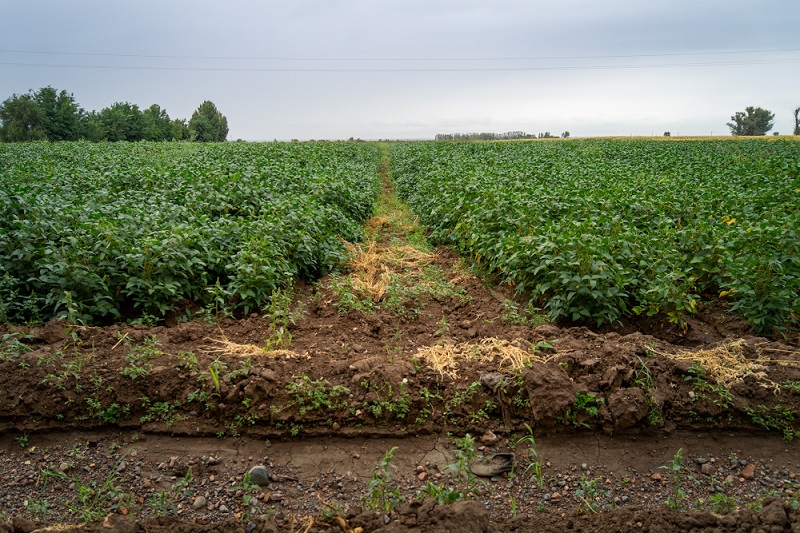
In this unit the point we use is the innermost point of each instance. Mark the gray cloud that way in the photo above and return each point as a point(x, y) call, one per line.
point(600, 95)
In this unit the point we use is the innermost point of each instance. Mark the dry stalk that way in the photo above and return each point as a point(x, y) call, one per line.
point(725, 363)
point(444, 358)
point(224, 346)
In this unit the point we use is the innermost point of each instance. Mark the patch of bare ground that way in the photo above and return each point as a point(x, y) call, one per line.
point(136, 428)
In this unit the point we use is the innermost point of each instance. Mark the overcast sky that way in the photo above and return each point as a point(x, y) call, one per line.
point(332, 69)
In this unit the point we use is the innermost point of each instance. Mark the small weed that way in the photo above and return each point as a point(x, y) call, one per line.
point(535, 465)
point(313, 395)
point(12, 345)
point(776, 419)
point(585, 406)
point(381, 494)
point(159, 412)
point(676, 474)
point(722, 504)
point(444, 327)
point(589, 493)
point(140, 357)
point(643, 378)
point(23, 440)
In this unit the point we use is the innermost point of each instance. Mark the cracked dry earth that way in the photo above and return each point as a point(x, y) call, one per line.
point(135, 428)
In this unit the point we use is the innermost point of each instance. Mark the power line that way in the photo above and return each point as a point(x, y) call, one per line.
point(476, 69)
point(280, 58)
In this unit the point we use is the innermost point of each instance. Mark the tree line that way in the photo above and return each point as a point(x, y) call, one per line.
point(52, 115)
point(484, 136)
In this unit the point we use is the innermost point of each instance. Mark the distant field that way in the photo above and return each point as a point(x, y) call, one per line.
point(600, 229)
point(93, 232)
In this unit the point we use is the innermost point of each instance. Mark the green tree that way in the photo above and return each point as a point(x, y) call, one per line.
point(121, 122)
point(180, 130)
point(22, 119)
point(754, 121)
point(208, 124)
point(156, 124)
point(797, 121)
point(64, 117)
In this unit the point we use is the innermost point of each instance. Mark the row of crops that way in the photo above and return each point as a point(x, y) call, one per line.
point(95, 232)
point(596, 230)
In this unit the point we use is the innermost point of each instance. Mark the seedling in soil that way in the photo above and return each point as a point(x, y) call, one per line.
point(313, 395)
point(677, 475)
point(722, 396)
point(589, 493)
point(585, 405)
point(381, 494)
point(643, 378)
point(722, 504)
point(778, 418)
point(535, 465)
point(139, 357)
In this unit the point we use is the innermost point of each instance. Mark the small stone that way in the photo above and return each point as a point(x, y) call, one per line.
point(356, 456)
point(489, 438)
point(336, 426)
point(199, 503)
point(147, 483)
point(555, 497)
point(708, 469)
point(701, 460)
point(729, 479)
point(259, 475)
point(625, 499)
point(63, 467)
point(212, 461)
point(656, 477)
point(422, 476)
point(420, 469)
point(546, 497)
point(224, 508)
point(584, 466)
point(748, 472)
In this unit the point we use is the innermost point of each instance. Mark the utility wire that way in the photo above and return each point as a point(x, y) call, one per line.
point(278, 58)
point(476, 69)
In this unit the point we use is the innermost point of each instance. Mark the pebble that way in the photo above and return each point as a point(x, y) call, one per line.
point(489, 438)
point(422, 476)
point(259, 475)
point(656, 477)
point(708, 469)
point(224, 508)
point(199, 502)
point(748, 472)
point(555, 497)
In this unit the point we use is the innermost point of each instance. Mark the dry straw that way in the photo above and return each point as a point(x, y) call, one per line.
point(444, 358)
point(224, 346)
point(727, 364)
point(369, 266)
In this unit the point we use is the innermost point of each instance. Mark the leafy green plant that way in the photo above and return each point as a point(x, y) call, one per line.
point(534, 464)
point(722, 504)
point(589, 492)
point(155, 226)
point(140, 357)
point(12, 345)
point(778, 418)
point(677, 475)
point(643, 378)
point(381, 493)
point(586, 405)
point(313, 395)
point(610, 228)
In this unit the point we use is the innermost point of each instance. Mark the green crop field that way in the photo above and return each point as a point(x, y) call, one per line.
point(95, 232)
point(596, 230)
